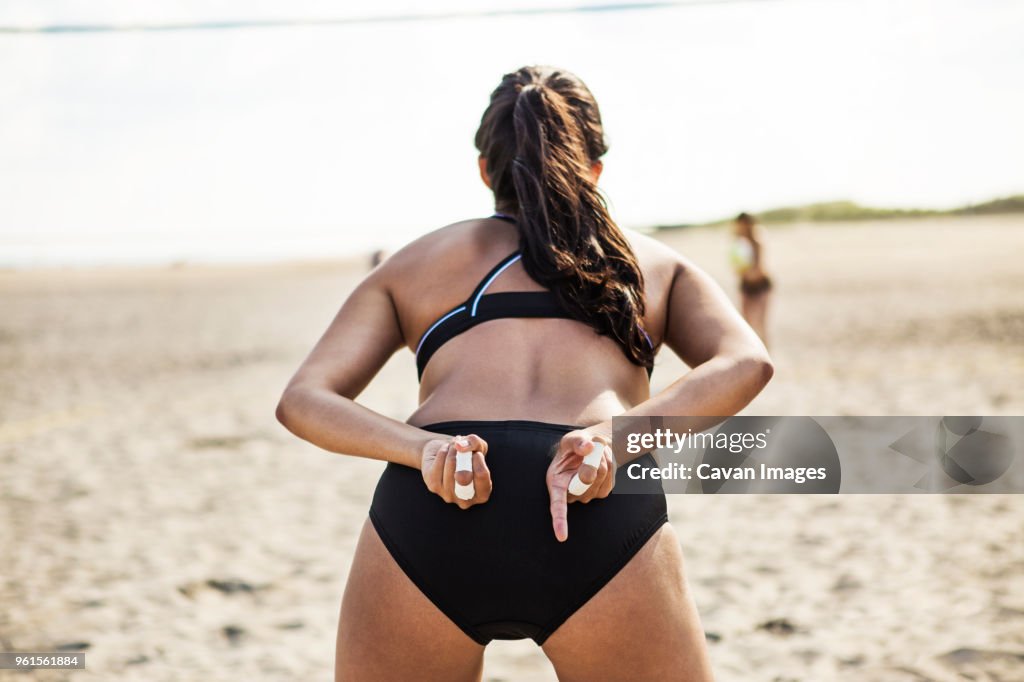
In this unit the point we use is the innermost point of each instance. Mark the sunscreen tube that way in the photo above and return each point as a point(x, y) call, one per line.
point(578, 487)
point(464, 462)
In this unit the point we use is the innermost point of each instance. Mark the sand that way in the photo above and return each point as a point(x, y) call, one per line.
point(154, 513)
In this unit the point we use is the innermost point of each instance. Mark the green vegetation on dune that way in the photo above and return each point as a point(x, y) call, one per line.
point(1014, 204)
point(838, 210)
point(848, 210)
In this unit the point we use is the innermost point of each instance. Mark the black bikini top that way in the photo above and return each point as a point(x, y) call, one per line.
point(482, 307)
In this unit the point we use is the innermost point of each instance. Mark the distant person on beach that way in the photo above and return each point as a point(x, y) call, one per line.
point(747, 256)
point(377, 257)
point(531, 328)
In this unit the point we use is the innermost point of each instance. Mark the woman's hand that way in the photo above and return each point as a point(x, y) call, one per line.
point(454, 468)
point(588, 457)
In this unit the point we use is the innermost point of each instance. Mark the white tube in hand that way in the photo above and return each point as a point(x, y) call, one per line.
point(464, 462)
point(578, 487)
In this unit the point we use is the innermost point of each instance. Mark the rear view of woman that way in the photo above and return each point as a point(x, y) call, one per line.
point(532, 328)
point(747, 255)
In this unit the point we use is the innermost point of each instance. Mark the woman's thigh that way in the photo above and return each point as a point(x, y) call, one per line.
point(754, 309)
point(388, 630)
point(642, 625)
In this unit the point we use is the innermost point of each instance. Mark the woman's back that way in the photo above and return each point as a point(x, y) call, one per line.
point(554, 369)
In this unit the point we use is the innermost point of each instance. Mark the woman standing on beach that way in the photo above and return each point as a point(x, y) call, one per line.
point(747, 256)
point(532, 328)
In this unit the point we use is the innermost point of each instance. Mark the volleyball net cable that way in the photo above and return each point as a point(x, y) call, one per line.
point(240, 24)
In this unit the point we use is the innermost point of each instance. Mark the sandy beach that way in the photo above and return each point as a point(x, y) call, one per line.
point(155, 515)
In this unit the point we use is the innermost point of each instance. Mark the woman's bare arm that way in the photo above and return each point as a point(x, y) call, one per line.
point(757, 248)
point(319, 405)
point(730, 364)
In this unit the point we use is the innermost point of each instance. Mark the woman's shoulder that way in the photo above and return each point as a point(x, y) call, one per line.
point(438, 247)
point(653, 254)
point(437, 240)
point(451, 247)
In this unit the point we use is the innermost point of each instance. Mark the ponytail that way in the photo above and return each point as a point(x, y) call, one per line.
point(541, 136)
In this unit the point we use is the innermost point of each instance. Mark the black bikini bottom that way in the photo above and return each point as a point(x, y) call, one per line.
point(757, 286)
point(496, 569)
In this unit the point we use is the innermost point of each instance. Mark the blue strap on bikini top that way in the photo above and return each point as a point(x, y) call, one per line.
point(482, 307)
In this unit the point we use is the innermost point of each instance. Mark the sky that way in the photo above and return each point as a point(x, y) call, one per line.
point(314, 141)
